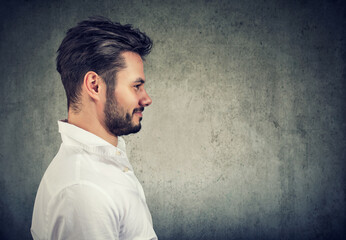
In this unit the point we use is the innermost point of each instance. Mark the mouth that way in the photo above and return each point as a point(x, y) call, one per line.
point(138, 111)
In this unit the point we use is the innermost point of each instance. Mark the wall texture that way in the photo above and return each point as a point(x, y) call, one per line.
point(245, 138)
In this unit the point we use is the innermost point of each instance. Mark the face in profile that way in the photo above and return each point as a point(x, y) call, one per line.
point(125, 104)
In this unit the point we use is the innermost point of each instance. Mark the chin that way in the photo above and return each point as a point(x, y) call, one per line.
point(134, 129)
point(129, 130)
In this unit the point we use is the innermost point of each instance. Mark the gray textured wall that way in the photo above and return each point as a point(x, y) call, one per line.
point(245, 138)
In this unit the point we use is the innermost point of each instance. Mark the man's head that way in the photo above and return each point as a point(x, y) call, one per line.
point(100, 49)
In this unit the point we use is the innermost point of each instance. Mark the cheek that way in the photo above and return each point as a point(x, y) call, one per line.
point(127, 99)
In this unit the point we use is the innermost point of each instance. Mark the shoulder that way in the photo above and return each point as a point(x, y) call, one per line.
point(82, 193)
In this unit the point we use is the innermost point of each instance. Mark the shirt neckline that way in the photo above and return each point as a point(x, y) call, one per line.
point(76, 136)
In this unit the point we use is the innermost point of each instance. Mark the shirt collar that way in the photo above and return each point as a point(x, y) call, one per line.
point(73, 135)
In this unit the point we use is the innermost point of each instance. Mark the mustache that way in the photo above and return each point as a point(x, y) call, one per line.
point(140, 109)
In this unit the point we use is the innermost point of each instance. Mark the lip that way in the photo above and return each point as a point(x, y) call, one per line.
point(138, 111)
point(139, 114)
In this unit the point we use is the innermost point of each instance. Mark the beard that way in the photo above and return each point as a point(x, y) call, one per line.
point(117, 120)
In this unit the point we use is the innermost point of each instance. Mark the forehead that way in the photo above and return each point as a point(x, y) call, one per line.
point(133, 67)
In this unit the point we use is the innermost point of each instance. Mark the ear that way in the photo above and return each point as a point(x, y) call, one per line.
point(93, 84)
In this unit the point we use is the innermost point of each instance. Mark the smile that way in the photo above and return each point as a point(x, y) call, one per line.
point(138, 111)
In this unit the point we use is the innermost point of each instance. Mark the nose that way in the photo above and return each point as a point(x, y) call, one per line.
point(145, 100)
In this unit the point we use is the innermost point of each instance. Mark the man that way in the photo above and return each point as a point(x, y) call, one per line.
point(89, 190)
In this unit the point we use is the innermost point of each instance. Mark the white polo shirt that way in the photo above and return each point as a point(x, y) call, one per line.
point(89, 191)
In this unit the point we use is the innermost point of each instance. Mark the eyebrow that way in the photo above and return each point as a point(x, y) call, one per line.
point(139, 80)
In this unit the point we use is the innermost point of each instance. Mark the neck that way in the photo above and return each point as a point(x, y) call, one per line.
point(90, 123)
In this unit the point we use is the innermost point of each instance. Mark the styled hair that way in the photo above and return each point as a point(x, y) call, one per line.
point(96, 45)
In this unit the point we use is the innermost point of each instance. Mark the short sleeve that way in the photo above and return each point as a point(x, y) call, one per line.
point(82, 211)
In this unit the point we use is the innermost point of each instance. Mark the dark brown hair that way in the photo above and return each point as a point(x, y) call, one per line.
point(96, 45)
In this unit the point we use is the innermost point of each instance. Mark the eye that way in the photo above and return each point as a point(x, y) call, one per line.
point(137, 86)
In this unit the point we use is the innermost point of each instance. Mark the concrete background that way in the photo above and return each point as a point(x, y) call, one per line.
point(245, 138)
